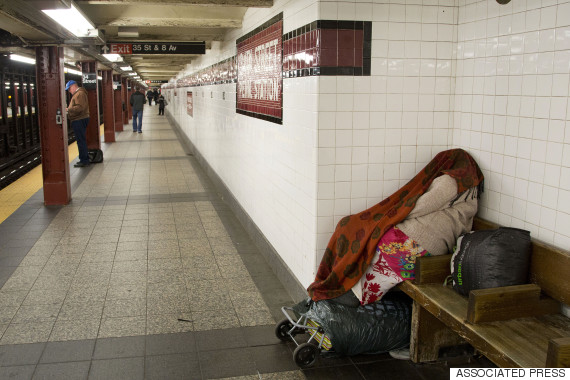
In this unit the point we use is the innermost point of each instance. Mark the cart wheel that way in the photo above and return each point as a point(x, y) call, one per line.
point(305, 355)
point(282, 329)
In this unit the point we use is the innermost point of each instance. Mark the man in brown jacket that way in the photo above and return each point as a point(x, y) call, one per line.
point(78, 113)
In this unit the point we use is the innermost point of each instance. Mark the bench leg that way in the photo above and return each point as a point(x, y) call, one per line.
point(558, 354)
point(428, 335)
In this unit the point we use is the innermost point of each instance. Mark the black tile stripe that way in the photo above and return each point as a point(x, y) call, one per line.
point(271, 119)
point(366, 26)
point(260, 28)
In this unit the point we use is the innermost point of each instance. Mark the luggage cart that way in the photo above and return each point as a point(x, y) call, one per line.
point(305, 354)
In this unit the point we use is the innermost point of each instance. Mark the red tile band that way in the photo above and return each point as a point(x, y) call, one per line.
point(266, 56)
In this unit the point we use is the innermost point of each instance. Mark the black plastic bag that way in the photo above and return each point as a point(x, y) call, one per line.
point(95, 156)
point(374, 328)
point(490, 258)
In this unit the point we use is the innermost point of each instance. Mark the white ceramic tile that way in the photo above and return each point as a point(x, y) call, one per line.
point(342, 189)
point(535, 192)
point(561, 61)
point(560, 84)
point(326, 173)
point(563, 15)
point(545, 63)
point(548, 17)
point(532, 20)
point(558, 106)
point(343, 156)
point(564, 201)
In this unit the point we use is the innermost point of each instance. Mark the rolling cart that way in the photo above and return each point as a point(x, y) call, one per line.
point(305, 354)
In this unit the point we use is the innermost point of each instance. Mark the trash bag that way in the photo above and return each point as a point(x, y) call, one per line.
point(374, 328)
point(490, 258)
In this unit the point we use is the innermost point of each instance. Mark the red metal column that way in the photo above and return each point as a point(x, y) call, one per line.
point(118, 97)
point(53, 136)
point(93, 135)
point(125, 92)
point(108, 105)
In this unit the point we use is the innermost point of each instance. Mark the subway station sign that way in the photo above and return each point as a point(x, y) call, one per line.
point(89, 81)
point(126, 48)
point(259, 80)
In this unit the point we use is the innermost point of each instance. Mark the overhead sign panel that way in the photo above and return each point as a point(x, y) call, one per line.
point(126, 48)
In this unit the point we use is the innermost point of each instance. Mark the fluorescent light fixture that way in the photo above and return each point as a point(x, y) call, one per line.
point(128, 31)
point(126, 68)
point(132, 74)
point(21, 58)
point(113, 57)
point(72, 71)
point(99, 77)
point(71, 19)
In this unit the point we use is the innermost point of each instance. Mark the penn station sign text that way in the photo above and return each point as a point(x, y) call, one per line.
point(260, 78)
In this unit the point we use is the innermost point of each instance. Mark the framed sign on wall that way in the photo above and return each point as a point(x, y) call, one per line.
point(189, 104)
point(260, 72)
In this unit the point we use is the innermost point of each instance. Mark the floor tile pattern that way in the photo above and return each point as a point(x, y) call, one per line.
point(148, 274)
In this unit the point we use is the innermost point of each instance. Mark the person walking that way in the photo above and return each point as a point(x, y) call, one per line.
point(137, 102)
point(155, 95)
point(78, 113)
point(150, 96)
point(161, 104)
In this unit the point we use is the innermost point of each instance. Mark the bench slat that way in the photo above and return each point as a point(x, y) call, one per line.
point(521, 342)
point(508, 302)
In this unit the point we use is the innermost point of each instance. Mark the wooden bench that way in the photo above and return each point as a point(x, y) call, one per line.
point(514, 326)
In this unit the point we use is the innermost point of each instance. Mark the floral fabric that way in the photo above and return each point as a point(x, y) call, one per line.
point(395, 261)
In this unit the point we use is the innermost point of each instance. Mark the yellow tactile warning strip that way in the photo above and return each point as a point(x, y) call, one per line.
point(17, 193)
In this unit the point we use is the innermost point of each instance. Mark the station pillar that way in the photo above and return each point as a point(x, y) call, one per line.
point(52, 120)
point(108, 105)
point(118, 102)
point(126, 98)
point(89, 73)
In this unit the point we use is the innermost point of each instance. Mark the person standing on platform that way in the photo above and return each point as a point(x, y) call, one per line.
point(78, 113)
point(155, 95)
point(137, 102)
point(150, 96)
point(161, 104)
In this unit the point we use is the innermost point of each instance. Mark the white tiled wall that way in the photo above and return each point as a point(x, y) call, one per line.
point(491, 79)
point(271, 169)
point(511, 110)
point(376, 132)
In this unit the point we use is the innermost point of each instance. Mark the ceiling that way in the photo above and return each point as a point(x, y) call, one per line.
point(154, 21)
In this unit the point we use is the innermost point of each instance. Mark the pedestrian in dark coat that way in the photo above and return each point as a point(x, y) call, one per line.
point(137, 102)
point(161, 104)
point(150, 96)
point(155, 95)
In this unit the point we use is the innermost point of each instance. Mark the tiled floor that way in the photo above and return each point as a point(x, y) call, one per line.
point(148, 274)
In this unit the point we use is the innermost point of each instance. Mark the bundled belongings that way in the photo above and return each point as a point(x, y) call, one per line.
point(491, 259)
point(375, 328)
point(439, 217)
point(353, 246)
point(344, 330)
point(374, 250)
